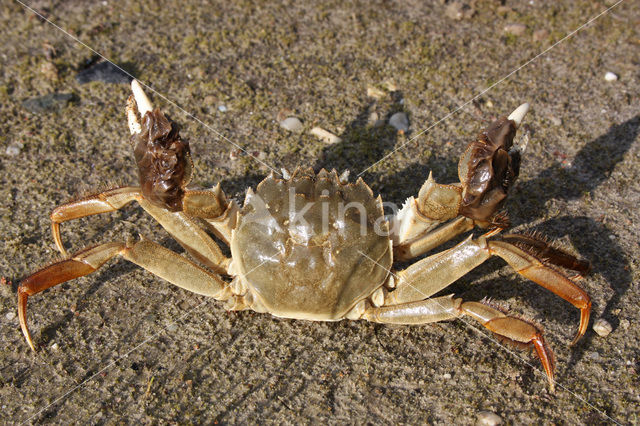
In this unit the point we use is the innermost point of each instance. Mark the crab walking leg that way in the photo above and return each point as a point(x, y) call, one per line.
point(178, 224)
point(532, 268)
point(513, 329)
point(190, 236)
point(433, 239)
point(212, 207)
point(151, 256)
point(104, 202)
point(432, 274)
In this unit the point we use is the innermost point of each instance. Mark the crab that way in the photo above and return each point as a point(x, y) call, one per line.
point(313, 246)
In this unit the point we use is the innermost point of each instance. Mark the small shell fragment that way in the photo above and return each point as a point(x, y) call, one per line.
point(390, 85)
point(515, 29)
point(375, 93)
point(610, 76)
point(293, 124)
point(325, 135)
point(487, 418)
point(602, 327)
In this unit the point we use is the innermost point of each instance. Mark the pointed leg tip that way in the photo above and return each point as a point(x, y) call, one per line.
point(547, 359)
point(585, 313)
point(22, 316)
point(30, 342)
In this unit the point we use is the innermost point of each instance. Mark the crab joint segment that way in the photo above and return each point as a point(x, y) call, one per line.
point(418, 228)
point(104, 202)
point(211, 206)
point(529, 266)
point(151, 256)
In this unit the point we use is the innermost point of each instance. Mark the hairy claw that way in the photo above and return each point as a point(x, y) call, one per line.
point(489, 167)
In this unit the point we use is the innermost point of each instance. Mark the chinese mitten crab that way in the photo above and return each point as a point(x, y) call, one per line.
point(312, 246)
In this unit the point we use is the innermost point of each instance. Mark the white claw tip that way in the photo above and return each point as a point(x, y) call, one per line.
point(144, 104)
point(518, 114)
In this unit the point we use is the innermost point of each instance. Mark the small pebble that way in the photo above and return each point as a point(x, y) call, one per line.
point(14, 149)
point(293, 124)
point(446, 376)
point(400, 121)
point(602, 327)
point(325, 135)
point(234, 154)
point(487, 418)
point(222, 108)
point(54, 346)
point(10, 315)
point(375, 120)
point(515, 29)
point(610, 76)
point(103, 71)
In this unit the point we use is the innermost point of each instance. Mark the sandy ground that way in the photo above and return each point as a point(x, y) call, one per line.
point(123, 346)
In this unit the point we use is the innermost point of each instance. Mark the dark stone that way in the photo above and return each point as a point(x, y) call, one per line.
point(47, 102)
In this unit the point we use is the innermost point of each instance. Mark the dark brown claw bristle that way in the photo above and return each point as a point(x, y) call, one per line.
point(544, 250)
point(163, 160)
point(490, 170)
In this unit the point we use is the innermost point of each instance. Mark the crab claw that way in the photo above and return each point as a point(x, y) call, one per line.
point(162, 156)
point(489, 167)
